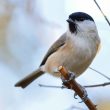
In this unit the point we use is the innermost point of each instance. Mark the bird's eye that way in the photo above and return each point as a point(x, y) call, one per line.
point(81, 19)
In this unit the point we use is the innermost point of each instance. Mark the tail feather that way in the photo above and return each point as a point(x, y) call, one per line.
point(30, 78)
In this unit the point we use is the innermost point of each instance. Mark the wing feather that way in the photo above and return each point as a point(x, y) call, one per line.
point(60, 42)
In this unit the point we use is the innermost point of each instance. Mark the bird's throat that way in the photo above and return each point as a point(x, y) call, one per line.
point(73, 28)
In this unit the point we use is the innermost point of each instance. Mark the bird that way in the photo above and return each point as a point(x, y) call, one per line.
point(75, 49)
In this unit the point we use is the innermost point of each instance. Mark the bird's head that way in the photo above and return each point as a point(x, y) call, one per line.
point(80, 22)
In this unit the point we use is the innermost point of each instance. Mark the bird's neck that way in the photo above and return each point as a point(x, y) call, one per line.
point(82, 39)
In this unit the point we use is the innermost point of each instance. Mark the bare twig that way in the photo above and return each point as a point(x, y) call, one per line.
point(73, 107)
point(102, 12)
point(99, 73)
point(51, 86)
point(98, 85)
point(86, 86)
point(72, 84)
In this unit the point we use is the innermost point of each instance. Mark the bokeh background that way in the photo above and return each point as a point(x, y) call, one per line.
point(27, 29)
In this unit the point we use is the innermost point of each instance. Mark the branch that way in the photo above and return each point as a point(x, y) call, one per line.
point(75, 86)
point(98, 85)
point(51, 86)
point(86, 86)
point(100, 73)
point(75, 108)
point(102, 13)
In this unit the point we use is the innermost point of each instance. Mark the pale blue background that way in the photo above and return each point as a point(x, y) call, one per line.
point(32, 27)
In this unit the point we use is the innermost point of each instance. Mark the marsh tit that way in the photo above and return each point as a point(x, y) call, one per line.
point(75, 49)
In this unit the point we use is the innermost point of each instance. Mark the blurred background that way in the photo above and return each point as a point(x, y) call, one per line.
point(27, 29)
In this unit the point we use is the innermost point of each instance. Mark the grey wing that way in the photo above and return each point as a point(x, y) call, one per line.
point(60, 42)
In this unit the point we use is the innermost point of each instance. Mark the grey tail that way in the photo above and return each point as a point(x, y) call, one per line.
point(30, 78)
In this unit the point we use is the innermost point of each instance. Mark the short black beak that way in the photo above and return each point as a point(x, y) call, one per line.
point(70, 21)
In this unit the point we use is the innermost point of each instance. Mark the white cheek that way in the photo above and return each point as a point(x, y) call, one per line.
point(86, 26)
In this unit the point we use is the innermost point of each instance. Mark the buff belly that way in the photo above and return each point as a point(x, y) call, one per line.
point(73, 60)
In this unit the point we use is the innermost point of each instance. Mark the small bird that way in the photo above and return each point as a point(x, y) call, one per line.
point(75, 49)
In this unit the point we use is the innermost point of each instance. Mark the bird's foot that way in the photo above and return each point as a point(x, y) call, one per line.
point(71, 77)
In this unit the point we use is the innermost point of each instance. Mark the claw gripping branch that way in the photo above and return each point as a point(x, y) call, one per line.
point(75, 86)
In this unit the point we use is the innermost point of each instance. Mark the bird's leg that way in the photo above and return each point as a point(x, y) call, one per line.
point(72, 77)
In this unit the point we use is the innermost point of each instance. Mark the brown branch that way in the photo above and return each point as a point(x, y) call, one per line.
point(75, 86)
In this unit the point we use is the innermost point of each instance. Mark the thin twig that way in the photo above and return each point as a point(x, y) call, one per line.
point(102, 12)
point(98, 85)
point(86, 86)
point(99, 73)
point(51, 86)
point(73, 107)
